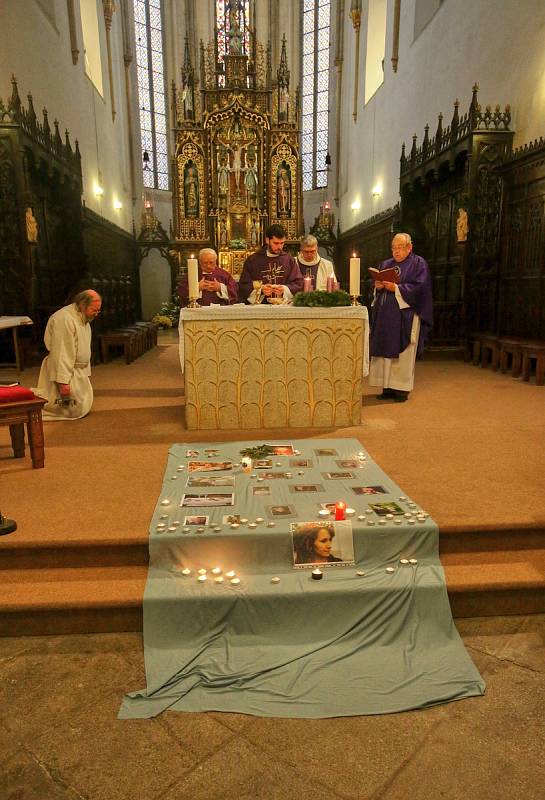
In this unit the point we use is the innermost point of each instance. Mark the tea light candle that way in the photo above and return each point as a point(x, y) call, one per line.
point(398, 521)
point(230, 574)
point(370, 522)
point(201, 571)
point(389, 570)
point(180, 468)
point(289, 474)
point(173, 477)
point(217, 529)
point(234, 525)
point(172, 527)
point(389, 516)
point(163, 516)
point(324, 512)
point(317, 574)
point(276, 579)
point(234, 581)
point(382, 522)
point(193, 277)
point(278, 463)
point(185, 530)
point(271, 524)
point(404, 561)
point(165, 502)
point(297, 452)
point(402, 497)
point(243, 520)
point(252, 524)
point(411, 522)
point(219, 579)
point(350, 512)
point(340, 510)
point(260, 480)
point(361, 516)
point(186, 571)
point(202, 578)
point(368, 510)
point(413, 561)
point(200, 530)
point(216, 571)
point(161, 525)
point(360, 573)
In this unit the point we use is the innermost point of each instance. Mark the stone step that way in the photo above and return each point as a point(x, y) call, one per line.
point(109, 598)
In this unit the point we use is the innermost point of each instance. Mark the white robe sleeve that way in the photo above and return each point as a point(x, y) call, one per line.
point(61, 339)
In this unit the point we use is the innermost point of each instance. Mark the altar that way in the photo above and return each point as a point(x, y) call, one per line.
point(273, 366)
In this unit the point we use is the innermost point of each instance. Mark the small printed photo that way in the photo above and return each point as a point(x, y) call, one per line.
point(194, 500)
point(329, 507)
point(263, 463)
point(322, 543)
point(368, 489)
point(211, 480)
point(348, 463)
point(268, 476)
point(333, 476)
point(326, 451)
point(282, 449)
point(191, 453)
point(300, 462)
point(386, 508)
point(307, 487)
point(209, 466)
point(231, 519)
point(196, 520)
point(281, 511)
point(211, 452)
point(260, 491)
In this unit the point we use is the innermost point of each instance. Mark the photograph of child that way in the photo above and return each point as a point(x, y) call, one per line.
point(210, 480)
point(211, 452)
point(263, 463)
point(337, 475)
point(368, 489)
point(326, 451)
point(260, 491)
point(300, 462)
point(329, 507)
point(307, 487)
point(231, 519)
point(191, 453)
point(272, 475)
point(282, 449)
point(281, 511)
point(348, 463)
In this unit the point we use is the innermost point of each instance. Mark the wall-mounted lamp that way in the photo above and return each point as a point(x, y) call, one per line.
point(98, 190)
point(356, 205)
point(376, 191)
point(118, 204)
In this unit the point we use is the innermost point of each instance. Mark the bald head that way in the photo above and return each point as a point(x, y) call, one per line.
point(89, 303)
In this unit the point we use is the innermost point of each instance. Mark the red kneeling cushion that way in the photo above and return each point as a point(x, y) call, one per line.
point(15, 394)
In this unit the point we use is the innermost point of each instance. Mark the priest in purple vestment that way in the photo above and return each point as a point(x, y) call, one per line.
point(270, 273)
point(401, 318)
point(216, 285)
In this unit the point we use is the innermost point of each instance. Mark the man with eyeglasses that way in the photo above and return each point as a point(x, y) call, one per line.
point(401, 318)
point(64, 375)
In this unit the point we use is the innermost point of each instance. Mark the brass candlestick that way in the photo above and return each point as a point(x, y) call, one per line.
point(193, 303)
point(354, 300)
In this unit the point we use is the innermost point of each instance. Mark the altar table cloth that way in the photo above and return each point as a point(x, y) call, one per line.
point(345, 645)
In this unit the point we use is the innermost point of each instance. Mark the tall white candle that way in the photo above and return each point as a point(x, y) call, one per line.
point(354, 276)
point(193, 277)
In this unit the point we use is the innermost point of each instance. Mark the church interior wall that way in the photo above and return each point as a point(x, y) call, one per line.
point(37, 51)
point(497, 46)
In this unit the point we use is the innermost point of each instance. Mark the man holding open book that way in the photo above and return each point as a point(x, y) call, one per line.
point(401, 317)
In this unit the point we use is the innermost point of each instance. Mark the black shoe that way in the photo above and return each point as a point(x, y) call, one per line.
point(400, 396)
point(387, 394)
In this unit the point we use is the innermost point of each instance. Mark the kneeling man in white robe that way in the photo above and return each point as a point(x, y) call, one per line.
point(64, 375)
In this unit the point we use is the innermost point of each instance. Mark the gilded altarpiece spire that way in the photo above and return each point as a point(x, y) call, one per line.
point(237, 148)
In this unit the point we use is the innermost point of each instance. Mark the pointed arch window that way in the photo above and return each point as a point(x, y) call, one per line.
point(315, 97)
point(148, 26)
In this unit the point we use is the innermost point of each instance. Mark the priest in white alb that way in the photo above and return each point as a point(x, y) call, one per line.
point(64, 375)
point(313, 265)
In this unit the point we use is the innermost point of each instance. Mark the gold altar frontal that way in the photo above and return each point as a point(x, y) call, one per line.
point(273, 366)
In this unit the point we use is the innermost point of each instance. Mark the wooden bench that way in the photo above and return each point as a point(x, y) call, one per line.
point(485, 349)
point(533, 351)
point(124, 339)
point(510, 347)
point(16, 415)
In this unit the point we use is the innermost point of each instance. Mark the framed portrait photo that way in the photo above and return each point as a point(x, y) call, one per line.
point(322, 544)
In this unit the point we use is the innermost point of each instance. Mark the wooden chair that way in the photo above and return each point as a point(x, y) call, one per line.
point(17, 415)
point(533, 351)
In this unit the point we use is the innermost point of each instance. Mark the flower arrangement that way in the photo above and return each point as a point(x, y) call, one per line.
point(169, 311)
point(237, 244)
point(162, 321)
point(321, 299)
point(260, 451)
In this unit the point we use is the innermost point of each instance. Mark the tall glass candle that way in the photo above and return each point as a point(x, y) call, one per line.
point(307, 283)
point(193, 277)
point(340, 510)
point(354, 276)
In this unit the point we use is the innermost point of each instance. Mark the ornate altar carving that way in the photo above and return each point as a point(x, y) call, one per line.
point(237, 152)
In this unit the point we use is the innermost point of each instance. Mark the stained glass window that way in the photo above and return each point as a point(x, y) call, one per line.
point(228, 12)
point(148, 26)
point(315, 70)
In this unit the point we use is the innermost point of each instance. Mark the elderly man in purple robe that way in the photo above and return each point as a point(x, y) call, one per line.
point(401, 318)
point(216, 285)
point(270, 274)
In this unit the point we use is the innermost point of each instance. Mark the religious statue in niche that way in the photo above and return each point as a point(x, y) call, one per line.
point(283, 189)
point(187, 99)
point(222, 228)
point(283, 104)
point(251, 180)
point(223, 177)
point(462, 226)
point(233, 11)
point(31, 226)
point(191, 190)
point(254, 230)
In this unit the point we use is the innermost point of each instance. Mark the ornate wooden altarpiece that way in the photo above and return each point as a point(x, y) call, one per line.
point(236, 166)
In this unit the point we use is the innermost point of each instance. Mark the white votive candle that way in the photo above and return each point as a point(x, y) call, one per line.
point(193, 277)
point(201, 578)
point(219, 579)
point(230, 574)
point(216, 571)
point(186, 571)
point(234, 581)
point(201, 571)
point(324, 512)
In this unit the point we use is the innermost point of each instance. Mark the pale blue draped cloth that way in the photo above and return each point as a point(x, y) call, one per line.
point(345, 645)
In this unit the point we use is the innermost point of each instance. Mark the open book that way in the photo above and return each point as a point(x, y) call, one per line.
point(391, 274)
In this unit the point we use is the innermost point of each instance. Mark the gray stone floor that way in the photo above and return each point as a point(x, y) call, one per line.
point(60, 738)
